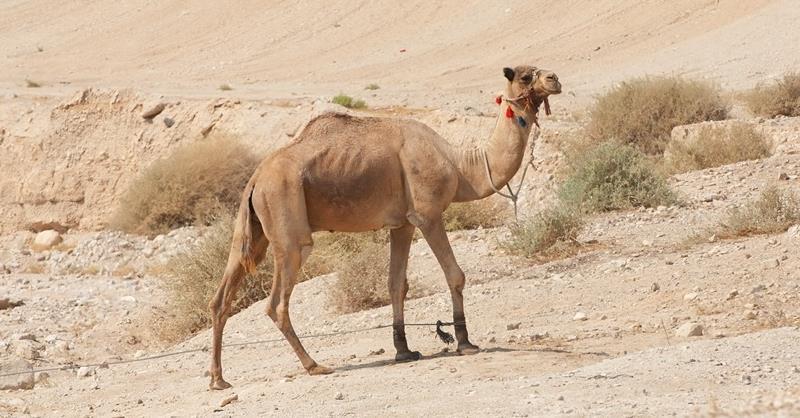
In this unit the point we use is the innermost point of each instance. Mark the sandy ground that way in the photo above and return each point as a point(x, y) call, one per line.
point(66, 152)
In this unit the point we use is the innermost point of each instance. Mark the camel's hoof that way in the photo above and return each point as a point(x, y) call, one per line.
point(407, 356)
point(219, 384)
point(468, 348)
point(318, 370)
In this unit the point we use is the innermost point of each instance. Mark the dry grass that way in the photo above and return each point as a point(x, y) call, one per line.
point(613, 176)
point(32, 84)
point(642, 111)
point(363, 267)
point(191, 186)
point(348, 102)
point(225, 87)
point(773, 212)
point(779, 98)
point(547, 234)
point(484, 213)
point(715, 147)
point(34, 268)
point(372, 86)
point(192, 279)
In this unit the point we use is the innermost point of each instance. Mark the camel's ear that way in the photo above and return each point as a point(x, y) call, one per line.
point(509, 73)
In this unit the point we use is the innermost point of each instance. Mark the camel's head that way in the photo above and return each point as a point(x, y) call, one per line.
point(533, 84)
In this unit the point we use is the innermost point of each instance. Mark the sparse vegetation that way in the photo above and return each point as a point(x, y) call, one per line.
point(774, 211)
point(613, 176)
point(485, 213)
point(780, 98)
point(225, 87)
point(363, 266)
point(549, 232)
point(193, 277)
point(642, 111)
point(190, 186)
point(372, 86)
point(32, 84)
point(348, 102)
point(715, 147)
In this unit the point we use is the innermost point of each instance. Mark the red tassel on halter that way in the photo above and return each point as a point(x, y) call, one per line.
point(498, 100)
point(509, 112)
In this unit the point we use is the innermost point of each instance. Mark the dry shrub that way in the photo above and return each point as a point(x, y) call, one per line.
point(192, 279)
point(780, 98)
point(548, 233)
point(642, 111)
point(715, 147)
point(190, 186)
point(773, 212)
point(484, 213)
point(363, 267)
point(613, 176)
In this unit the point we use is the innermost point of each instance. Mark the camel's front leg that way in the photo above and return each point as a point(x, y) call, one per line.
point(398, 288)
point(434, 233)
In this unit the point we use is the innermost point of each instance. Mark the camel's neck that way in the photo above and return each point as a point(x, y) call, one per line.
point(504, 152)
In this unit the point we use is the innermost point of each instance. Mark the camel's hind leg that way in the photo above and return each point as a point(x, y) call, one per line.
point(291, 240)
point(434, 232)
point(220, 304)
point(398, 288)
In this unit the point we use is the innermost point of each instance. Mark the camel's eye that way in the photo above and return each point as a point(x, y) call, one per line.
point(527, 78)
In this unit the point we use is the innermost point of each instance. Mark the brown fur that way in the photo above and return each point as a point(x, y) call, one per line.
point(351, 174)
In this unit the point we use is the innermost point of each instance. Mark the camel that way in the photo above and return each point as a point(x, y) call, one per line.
point(354, 174)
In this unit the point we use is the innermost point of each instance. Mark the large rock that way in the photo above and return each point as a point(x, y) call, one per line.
point(23, 380)
point(689, 329)
point(46, 240)
point(794, 232)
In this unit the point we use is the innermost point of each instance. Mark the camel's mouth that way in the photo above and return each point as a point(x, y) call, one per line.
point(554, 88)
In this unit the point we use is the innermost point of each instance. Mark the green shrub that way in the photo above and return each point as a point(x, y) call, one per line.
point(372, 86)
point(348, 102)
point(642, 111)
point(613, 176)
point(715, 147)
point(190, 186)
point(780, 98)
point(193, 276)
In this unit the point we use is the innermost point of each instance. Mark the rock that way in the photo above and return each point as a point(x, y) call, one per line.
point(690, 296)
point(153, 111)
point(733, 293)
point(783, 176)
point(46, 240)
point(748, 314)
point(580, 316)
point(168, 122)
point(127, 299)
point(85, 371)
point(793, 232)
point(655, 287)
point(377, 352)
point(339, 396)
point(23, 380)
point(771, 263)
point(515, 325)
point(758, 288)
point(689, 329)
point(26, 349)
point(228, 400)
point(6, 303)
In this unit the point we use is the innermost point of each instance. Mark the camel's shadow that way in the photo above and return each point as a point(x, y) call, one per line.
point(445, 354)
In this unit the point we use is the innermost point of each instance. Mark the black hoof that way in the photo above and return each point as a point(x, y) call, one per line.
point(407, 356)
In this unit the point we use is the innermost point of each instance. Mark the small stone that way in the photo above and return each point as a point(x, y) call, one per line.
point(339, 396)
point(689, 329)
point(515, 325)
point(228, 400)
point(580, 316)
point(732, 294)
point(655, 287)
point(127, 299)
point(772, 263)
point(746, 379)
point(85, 371)
point(783, 176)
point(169, 122)
point(46, 240)
point(758, 288)
point(153, 111)
point(690, 296)
point(23, 380)
point(793, 231)
point(748, 314)
point(6, 303)
point(377, 352)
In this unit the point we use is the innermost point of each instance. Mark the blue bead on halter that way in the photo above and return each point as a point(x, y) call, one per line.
point(522, 121)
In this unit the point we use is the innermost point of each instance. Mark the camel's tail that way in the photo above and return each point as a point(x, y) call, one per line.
point(247, 225)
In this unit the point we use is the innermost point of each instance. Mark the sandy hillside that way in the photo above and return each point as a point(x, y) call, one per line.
point(599, 333)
